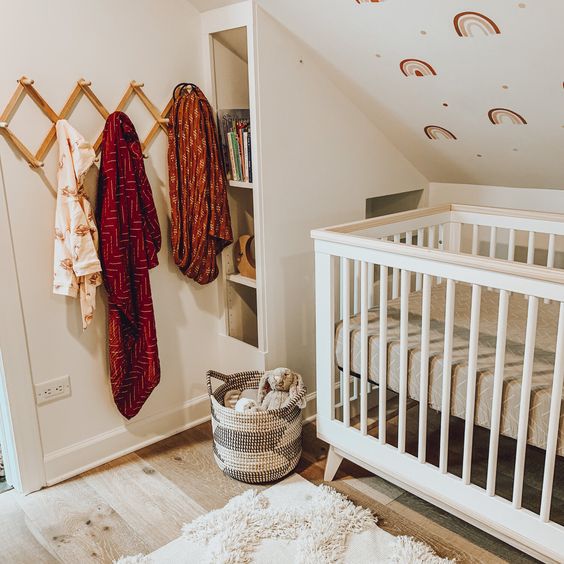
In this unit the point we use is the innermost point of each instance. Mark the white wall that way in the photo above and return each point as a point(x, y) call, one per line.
point(534, 199)
point(321, 158)
point(158, 43)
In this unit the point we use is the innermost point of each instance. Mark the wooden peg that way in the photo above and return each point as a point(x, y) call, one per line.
point(24, 81)
point(136, 84)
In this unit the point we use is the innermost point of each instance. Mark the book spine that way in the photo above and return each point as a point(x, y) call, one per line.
point(246, 155)
point(231, 156)
point(249, 152)
point(240, 126)
point(237, 151)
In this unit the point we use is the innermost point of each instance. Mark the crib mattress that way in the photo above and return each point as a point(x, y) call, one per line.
point(516, 325)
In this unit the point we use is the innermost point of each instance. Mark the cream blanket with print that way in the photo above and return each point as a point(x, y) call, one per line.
point(77, 269)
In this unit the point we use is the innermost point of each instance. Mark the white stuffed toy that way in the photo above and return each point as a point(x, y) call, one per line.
point(278, 387)
point(246, 405)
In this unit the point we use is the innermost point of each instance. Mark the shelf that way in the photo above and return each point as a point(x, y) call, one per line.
point(240, 184)
point(243, 280)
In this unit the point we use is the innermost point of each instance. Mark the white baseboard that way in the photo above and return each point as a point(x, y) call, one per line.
point(70, 461)
point(310, 411)
point(85, 455)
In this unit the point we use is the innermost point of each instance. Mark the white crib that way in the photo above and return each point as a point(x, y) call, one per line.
point(403, 305)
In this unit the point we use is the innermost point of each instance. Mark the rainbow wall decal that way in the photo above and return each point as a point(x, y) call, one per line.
point(436, 132)
point(466, 22)
point(500, 115)
point(416, 67)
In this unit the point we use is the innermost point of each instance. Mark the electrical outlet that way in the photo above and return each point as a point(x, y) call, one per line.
point(52, 390)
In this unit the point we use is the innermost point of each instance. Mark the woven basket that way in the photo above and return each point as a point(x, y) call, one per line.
point(254, 447)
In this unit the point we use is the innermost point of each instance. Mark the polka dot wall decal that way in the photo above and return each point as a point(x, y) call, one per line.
point(445, 104)
point(368, 1)
point(522, 5)
point(466, 22)
point(436, 132)
point(423, 32)
point(478, 155)
point(416, 67)
point(503, 115)
point(505, 87)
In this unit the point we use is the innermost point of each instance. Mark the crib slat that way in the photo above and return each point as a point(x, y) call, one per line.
point(420, 241)
point(550, 255)
point(497, 390)
point(441, 245)
point(345, 307)
point(383, 355)
point(529, 354)
point(363, 347)
point(447, 374)
point(471, 384)
point(356, 287)
point(493, 245)
point(475, 239)
point(553, 422)
point(511, 246)
point(370, 285)
point(404, 327)
point(531, 248)
point(432, 237)
point(454, 232)
point(395, 273)
point(441, 236)
point(424, 373)
point(493, 241)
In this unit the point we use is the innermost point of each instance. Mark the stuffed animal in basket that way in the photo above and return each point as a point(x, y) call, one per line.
point(278, 387)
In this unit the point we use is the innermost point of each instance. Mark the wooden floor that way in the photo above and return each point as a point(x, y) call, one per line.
point(139, 502)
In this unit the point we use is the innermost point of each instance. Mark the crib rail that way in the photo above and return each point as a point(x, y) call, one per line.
point(380, 264)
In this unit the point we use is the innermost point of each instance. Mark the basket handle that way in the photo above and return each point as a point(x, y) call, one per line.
point(218, 376)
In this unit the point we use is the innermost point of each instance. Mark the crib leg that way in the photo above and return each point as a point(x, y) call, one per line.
point(332, 465)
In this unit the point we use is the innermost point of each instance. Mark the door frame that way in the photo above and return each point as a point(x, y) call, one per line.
point(19, 424)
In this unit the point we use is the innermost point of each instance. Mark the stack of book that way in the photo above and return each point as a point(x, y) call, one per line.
point(235, 132)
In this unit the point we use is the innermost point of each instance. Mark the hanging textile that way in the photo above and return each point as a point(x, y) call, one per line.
point(200, 222)
point(76, 264)
point(130, 239)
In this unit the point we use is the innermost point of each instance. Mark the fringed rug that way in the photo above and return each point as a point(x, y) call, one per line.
point(291, 522)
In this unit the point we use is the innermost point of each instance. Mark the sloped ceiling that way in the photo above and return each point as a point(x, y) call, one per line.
point(470, 91)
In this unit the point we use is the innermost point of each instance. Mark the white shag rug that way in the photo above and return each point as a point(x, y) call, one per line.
point(291, 522)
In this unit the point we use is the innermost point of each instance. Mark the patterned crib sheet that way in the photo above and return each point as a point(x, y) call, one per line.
point(517, 318)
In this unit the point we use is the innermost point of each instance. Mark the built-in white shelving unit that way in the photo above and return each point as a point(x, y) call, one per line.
point(229, 32)
point(243, 280)
point(240, 184)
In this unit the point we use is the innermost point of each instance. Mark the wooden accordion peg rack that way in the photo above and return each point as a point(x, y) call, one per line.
point(26, 88)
